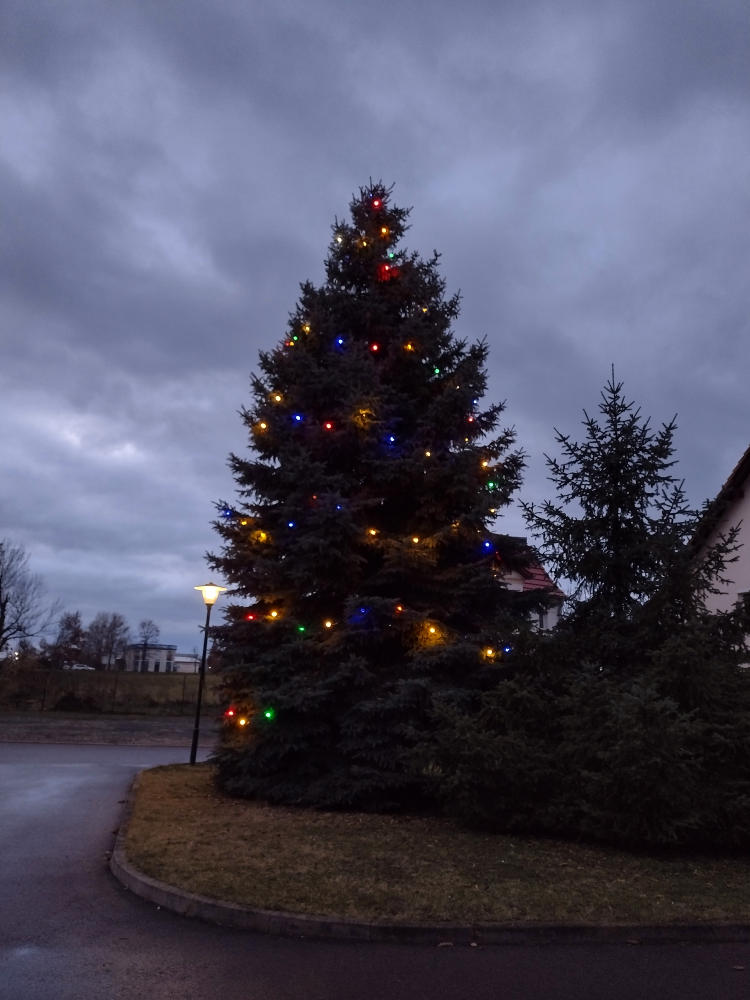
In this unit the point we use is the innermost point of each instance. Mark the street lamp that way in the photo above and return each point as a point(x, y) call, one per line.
point(210, 592)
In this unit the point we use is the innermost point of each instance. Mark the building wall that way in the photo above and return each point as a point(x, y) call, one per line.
point(158, 659)
point(737, 572)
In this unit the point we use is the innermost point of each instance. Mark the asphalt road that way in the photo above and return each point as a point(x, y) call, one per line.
point(69, 931)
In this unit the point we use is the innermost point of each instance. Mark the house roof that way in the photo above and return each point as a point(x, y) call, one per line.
point(733, 489)
point(535, 577)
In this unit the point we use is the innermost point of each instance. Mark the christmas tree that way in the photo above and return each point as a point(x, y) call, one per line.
point(360, 551)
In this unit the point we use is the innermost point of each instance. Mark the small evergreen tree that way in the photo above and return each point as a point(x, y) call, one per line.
point(621, 532)
point(361, 546)
point(630, 723)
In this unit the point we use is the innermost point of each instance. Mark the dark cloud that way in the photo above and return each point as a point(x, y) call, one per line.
point(169, 174)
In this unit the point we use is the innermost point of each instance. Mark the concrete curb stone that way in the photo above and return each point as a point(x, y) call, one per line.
point(300, 925)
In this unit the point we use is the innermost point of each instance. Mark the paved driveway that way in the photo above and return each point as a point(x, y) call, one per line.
point(68, 931)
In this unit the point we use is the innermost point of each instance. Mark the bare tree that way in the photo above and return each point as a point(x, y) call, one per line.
point(105, 640)
point(24, 613)
point(148, 632)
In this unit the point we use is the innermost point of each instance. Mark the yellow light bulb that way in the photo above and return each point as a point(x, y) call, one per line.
point(433, 630)
point(328, 623)
point(242, 722)
point(485, 463)
point(263, 425)
point(384, 230)
point(274, 614)
point(277, 397)
point(428, 454)
point(306, 327)
point(372, 531)
point(415, 539)
point(489, 652)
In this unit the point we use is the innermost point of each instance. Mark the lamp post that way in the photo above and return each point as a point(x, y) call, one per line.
point(209, 592)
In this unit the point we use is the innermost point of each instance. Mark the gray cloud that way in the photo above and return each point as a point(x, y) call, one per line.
point(169, 174)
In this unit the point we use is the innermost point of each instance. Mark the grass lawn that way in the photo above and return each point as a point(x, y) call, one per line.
point(409, 869)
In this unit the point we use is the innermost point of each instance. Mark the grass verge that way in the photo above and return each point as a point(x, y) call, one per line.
point(409, 869)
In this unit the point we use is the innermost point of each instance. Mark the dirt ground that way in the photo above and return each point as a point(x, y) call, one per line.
point(122, 730)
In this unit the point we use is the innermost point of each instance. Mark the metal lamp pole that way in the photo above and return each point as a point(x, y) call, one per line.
point(210, 592)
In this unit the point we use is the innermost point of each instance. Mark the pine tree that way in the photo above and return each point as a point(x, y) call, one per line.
point(621, 532)
point(361, 549)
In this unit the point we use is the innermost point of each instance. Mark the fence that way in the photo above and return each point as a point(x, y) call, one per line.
point(104, 691)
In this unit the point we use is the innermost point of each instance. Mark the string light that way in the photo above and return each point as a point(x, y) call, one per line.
point(328, 623)
point(277, 397)
point(384, 230)
point(297, 417)
point(374, 347)
point(415, 539)
point(274, 614)
point(428, 454)
point(409, 346)
point(306, 328)
point(242, 721)
point(489, 653)
point(372, 531)
point(376, 202)
point(328, 425)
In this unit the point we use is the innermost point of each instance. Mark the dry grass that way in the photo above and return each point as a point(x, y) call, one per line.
point(409, 869)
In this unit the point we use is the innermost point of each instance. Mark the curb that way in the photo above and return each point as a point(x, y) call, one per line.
point(299, 925)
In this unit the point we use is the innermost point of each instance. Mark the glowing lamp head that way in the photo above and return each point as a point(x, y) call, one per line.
point(210, 592)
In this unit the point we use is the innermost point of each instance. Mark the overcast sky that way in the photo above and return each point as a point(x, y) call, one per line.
point(169, 173)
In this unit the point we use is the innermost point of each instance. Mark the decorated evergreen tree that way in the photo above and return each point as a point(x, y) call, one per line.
point(360, 551)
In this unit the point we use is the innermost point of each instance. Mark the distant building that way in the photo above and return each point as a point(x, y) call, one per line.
point(528, 576)
point(186, 663)
point(150, 658)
